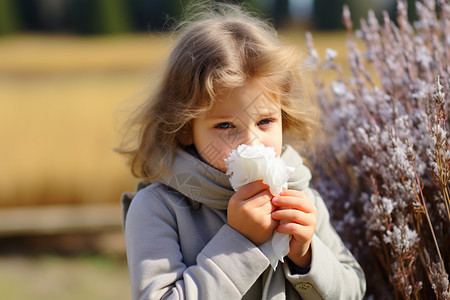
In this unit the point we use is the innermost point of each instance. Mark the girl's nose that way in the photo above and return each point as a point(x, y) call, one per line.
point(250, 137)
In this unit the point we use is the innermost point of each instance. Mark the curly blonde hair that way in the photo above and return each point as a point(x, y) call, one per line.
point(222, 47)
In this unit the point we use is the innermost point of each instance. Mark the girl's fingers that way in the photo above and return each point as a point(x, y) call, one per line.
point(300, 233)
point(251, 189)
point(294, 216)
point(294, 199)
point(260, 199)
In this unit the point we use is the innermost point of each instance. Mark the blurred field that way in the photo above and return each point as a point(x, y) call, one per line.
point(53, 277)
point(61, 99)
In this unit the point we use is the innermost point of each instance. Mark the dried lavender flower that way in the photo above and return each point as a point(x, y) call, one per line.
point(387, 173)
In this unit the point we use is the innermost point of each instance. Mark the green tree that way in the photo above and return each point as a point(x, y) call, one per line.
point(328, 14)
point(280, 12)
point(100, 16)
point(152, 14)
point(9, 18)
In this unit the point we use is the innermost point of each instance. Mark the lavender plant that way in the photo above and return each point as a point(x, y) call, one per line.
point(384, 164)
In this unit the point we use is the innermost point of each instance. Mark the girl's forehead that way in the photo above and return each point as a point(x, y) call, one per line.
point(251, 100)
point(251, 93)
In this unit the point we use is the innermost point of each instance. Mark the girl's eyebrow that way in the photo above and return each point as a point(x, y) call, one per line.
point(221, 117)
point(264, 115)
point(255, 114)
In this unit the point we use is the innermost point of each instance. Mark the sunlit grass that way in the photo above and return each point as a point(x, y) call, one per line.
point(59, 102)
point(60, 99)
point(37, 55)
point(72, 278)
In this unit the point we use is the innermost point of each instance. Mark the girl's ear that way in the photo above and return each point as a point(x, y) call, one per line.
point(185, 136)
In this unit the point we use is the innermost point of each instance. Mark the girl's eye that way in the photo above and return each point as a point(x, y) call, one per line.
point(224, 125)
point(265, 122)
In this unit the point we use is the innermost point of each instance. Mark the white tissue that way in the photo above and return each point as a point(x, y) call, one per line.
point(251, 163)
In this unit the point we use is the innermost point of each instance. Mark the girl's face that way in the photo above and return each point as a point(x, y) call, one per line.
point(244, 115)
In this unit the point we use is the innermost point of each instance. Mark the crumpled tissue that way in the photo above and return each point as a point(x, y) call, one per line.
point(251, 163)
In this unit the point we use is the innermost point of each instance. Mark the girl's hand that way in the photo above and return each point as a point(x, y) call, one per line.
point(249, 212)
point(298, 217)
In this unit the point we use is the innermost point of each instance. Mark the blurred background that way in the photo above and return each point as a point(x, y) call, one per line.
point(69, 72)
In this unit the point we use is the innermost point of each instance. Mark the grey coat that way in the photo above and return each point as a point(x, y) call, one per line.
point(179, 245)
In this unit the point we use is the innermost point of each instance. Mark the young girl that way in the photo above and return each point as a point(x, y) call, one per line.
point(228, 82)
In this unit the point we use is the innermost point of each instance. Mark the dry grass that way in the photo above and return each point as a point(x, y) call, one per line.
point(53, 277)
point(60, 98)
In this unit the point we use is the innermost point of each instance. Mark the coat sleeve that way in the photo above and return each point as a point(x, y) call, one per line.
point(334, 273)
point(155, 260)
